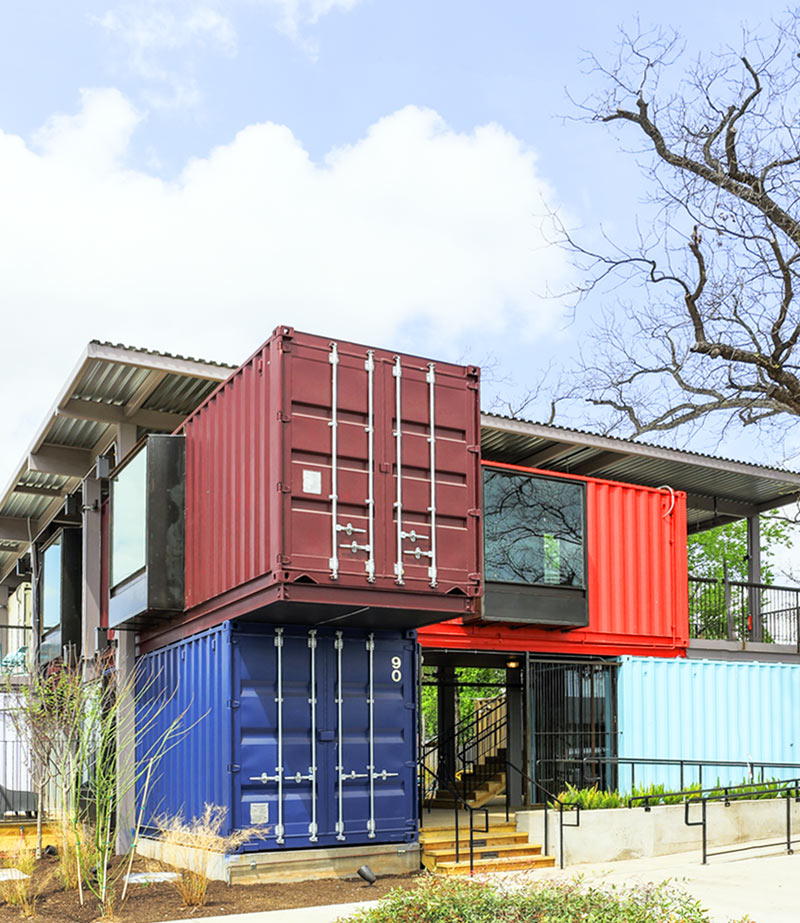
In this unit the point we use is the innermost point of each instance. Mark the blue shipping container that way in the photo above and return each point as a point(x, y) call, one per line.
point(707, 710)
point(309, 732)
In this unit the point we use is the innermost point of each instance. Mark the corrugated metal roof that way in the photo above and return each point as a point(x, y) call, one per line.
point(111, 384)
point(718, 488)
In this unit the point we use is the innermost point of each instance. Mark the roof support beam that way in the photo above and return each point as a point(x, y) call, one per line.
point(145, 389)
point(40, 491)
point(60, 459)
point(734, 509)
point(78, 409)
point(14, 529)
point(543, 456)
point(603, 460)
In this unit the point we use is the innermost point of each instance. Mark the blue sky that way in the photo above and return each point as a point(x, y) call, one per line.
point(187, 174)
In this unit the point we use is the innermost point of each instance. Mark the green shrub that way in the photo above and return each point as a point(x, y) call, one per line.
point(449, 900)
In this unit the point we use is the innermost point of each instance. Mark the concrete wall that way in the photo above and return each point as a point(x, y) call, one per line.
point(633, 833)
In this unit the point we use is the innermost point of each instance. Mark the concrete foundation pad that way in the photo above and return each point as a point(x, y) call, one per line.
point(288, 865)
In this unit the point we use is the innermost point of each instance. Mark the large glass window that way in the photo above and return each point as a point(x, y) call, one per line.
point(533, 529)
point(128, 520)
point(51, 585)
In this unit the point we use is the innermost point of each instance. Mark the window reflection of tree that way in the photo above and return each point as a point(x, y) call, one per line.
point(522, 514)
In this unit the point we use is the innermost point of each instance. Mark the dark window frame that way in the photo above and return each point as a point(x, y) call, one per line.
point(580, 485)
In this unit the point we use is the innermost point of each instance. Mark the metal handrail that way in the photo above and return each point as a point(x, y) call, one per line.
point(457, 797)
point(550, 799)
point(683, 764)
point(786, 788)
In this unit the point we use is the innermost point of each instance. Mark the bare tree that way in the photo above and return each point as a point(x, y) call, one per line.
point(706, 319)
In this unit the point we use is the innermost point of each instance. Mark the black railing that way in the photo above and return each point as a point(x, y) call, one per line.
point(549, 801)
point(16, 787)
point(735, 610)
point(459, 804)
point(689, 770)
point(471, 754)
point(786, 789)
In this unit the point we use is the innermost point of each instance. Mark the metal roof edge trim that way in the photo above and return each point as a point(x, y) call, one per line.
point(626, 447)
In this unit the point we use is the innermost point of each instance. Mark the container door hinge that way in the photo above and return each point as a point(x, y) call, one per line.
point(283, 417)
point(234, 767)
point(474, 449)
point(283, 488)
point(233, 703)
point(475, 512)
point(283, 559)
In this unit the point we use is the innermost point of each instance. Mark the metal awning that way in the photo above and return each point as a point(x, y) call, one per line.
point(111, 387)
point(719, 490)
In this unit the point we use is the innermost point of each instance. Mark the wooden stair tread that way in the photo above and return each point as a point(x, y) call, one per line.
point(502, 864)
point(526, 848)
point(499, 827)
point(442, 840)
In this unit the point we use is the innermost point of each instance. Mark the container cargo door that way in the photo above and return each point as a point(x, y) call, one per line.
point(374, 776)
point(277, 729)
point(326, 724)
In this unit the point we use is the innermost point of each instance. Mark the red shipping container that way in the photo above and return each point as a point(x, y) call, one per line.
point(637, 581)
point(302, 492)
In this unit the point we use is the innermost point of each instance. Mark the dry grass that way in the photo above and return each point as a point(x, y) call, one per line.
point(19, 892)
point(191, 847)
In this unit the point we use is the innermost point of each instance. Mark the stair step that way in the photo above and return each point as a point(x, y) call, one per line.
point(506, 826)
point(489, 851)
point(508, 864)
point(445, 840)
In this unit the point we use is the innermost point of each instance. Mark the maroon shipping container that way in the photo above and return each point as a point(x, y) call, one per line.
point(306, 503)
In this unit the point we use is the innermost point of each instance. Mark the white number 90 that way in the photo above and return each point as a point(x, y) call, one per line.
point(397, 675)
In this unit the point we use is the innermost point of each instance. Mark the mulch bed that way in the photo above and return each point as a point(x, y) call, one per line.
point(152, 903)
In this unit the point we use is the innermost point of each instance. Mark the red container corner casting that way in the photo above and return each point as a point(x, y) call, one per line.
point(306, 503)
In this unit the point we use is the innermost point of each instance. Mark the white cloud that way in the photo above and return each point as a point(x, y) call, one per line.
point(414, 227)
point(158, 37)
point(294, 14)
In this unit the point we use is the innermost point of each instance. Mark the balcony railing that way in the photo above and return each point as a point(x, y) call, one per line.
point(738, 611)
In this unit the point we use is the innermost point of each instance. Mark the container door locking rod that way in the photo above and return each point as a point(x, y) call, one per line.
point(431, 379)
point(340, 767)
point(278, 777)
point(312, 769)
point(334, 425)
point(370, 367)
point(397, 371)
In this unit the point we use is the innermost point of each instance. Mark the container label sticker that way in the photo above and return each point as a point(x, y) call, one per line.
point(312, 482)
point(259, 812)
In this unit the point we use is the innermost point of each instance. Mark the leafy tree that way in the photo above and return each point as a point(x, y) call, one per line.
point(714, 551)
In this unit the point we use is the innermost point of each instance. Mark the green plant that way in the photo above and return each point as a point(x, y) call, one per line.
point(447, 900)
point(590, 799)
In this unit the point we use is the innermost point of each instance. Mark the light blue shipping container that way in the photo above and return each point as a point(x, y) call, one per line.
point(707, 710)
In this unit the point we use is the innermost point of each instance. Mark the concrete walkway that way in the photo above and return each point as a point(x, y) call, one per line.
point(327, 914)
point(763, 883)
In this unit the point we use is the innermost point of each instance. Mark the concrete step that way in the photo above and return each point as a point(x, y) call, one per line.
point(433, 858)
point(505, 864)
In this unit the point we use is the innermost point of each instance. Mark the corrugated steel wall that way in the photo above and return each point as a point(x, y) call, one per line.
point(232, 688)
point(708, 710)
point(260, 481)
point(637, 582)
